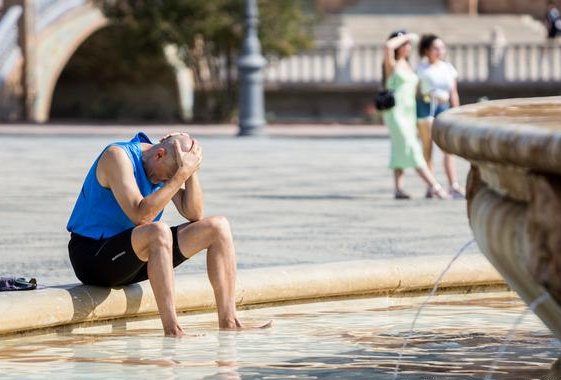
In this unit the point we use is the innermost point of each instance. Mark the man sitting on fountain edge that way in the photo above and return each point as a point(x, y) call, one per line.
point(117, 238)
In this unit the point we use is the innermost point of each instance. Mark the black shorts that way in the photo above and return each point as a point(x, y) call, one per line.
point(112, 261)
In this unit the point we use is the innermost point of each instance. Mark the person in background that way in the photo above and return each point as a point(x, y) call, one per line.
point(438, 91)
point(406, 152)
point(552, 21)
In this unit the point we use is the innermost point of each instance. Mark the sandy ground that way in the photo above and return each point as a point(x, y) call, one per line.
point(295, 197)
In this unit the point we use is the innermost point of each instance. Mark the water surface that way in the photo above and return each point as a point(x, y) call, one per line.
point(456, 337)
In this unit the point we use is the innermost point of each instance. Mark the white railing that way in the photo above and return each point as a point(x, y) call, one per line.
point(471, 61)
point(533, 63)
point(317, 66)
point(48, 11)
point(10, 51)
point(362, 64)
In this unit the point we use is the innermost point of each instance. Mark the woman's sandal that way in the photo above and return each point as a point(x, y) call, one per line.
point(400, 194)
point(437, 191)
point(456, 191)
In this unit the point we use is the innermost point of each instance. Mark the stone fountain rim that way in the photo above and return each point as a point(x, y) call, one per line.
point(70, 305)
point(459, 132)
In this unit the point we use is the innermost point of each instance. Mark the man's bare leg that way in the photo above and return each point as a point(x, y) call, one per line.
point(153, 243)
point(214, 234)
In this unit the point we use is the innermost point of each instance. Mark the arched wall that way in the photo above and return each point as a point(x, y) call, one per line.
point(55, 46)
point(114, 76)
point(47, 51)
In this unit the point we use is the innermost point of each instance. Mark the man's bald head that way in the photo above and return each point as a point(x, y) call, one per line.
point(168, 143)
point(185, 142)
point(160, 160)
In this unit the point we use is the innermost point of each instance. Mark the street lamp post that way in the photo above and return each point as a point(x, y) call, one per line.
point(250, 65)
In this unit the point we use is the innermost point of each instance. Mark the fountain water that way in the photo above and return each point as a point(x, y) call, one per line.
point(531, 308)
point(425, 302)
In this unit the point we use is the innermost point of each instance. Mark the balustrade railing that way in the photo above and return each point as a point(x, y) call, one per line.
point(471, 61)
point(316, 66)
point(533, 63)
point(10, 50)
point(48, 11)
point(362, 64)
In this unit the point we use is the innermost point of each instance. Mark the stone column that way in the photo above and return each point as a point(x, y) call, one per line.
point(473, 7)
point(29, 63)
point(250, 65)
point(185, 82)
point(496, 57)
point(470, 7)
point(344, 50)
point(19, 89)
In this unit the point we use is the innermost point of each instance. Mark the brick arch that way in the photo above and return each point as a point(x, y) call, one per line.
point(55, 47)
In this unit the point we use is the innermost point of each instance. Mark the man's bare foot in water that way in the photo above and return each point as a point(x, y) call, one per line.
point(174, 332)
point(177, 331)
point(235, 324)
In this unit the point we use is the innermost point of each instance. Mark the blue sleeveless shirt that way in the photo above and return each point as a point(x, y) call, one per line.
point(97, 214)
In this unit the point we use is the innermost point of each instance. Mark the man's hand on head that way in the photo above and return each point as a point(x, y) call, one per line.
point(196, 149)
point(187, 162)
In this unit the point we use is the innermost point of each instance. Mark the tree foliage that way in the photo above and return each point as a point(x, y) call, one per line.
point(211, 29)
point(285, 24)
point(209, 33)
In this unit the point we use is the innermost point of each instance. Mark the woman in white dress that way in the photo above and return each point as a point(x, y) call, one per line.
point(438, 91)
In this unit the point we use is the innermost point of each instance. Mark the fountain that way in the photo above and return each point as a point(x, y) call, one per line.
point(514, 191)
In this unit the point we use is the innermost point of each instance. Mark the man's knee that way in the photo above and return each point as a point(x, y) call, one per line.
point(158, 237)
point(220, 226)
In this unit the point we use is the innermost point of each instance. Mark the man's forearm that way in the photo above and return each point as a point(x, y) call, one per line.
point(192, 200)
point(151, 205)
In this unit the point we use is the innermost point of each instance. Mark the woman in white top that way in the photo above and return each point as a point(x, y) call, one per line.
point(406, 152)
point(438, 92)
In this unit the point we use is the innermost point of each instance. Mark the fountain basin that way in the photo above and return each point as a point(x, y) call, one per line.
point(514, 191)
point(457, 337)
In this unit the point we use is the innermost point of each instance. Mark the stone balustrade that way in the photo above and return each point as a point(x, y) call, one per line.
point(475, 63)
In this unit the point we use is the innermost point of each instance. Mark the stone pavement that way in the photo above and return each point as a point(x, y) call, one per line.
point(291, 199)
point(227, 130)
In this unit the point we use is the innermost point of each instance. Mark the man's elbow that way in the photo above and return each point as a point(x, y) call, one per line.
point(140, 220)
point(143, 215)
point(195, 215)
